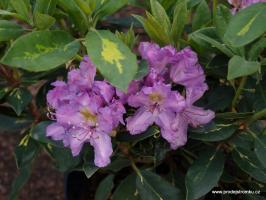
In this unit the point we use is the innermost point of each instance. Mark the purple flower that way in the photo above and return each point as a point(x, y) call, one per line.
point(59, 95)
point(241, 4)
point(133, 88)
point(82, 78)
point(186, 71)
point(86, 111)
point(158, 58)
point(191, 115)
point(157, 104)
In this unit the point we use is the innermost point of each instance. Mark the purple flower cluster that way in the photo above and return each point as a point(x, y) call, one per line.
point(87, 111)
point(241, 4)
point(157, 103)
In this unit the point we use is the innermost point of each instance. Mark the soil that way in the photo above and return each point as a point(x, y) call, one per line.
point(46, 183)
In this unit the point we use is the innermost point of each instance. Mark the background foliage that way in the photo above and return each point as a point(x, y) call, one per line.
point(41, 39)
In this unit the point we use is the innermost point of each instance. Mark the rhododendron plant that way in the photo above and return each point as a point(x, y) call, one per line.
point(145, 100)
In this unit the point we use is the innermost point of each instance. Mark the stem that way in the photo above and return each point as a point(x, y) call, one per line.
point(257, 116)
point(136, 169)
point(238, 92)
point(214, 6)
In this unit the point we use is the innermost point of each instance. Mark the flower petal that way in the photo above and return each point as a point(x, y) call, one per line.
point(69, 114)
point(102, 149)
point(77, 137)
point(173, 129)
point(56, 131)
point(104, 89)
point(194, 93)
point(175, 102)
point(137, 100)
point(157, 57)
point(82, 78)
point(140, 121)
point(198, 116)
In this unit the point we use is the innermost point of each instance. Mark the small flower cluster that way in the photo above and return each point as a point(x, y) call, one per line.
point(158, 103)
point(241, 4)
point(87, 111)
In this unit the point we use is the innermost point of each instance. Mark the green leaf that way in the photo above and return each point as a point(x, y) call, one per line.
point(43, 21)
point(38, 132)
point(4, 91)
point(105, 188)
point(26, 151)
point(127, 189)
point(215, 132)
point(153, 187)
point(7, 13)
point(4, 4)
point(142, 70)
point(167, 4)
point(18, 99)
point(125, 137)
point(109, 7)
point(256, 49)
point(249, 163)
point(112, 57)
point(19, 182)
point(247, 25)
point(89, 169)
point(233, 115)
point(205, 35)
point(63, 157)
point(84, 6)
point(204, 174)
point(41, 50)
point(129, 37)
point(180, 18)
point(222, 19)
point(22, 7)
point(260, 148)
point(260, 95)
point(202, 16)
point(193, 3)
point(76, 15)
point(154, 29)
point(215, 102)
point(45, 6)
point(239, 67)
point(9, 30)
point(217, 66)
point(13, 124)
point(118, 164)
point(243, 140)
point(160, 14)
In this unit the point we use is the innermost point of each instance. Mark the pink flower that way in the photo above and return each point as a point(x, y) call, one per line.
point(86, 111)
point(241, 4)
point(158, 103)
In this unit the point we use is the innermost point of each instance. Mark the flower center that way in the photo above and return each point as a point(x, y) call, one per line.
point(156, 97)
point(89, 116)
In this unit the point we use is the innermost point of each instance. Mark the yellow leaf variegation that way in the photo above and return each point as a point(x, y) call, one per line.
point(112, 54)
point(246, 26)
point(112, 58)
